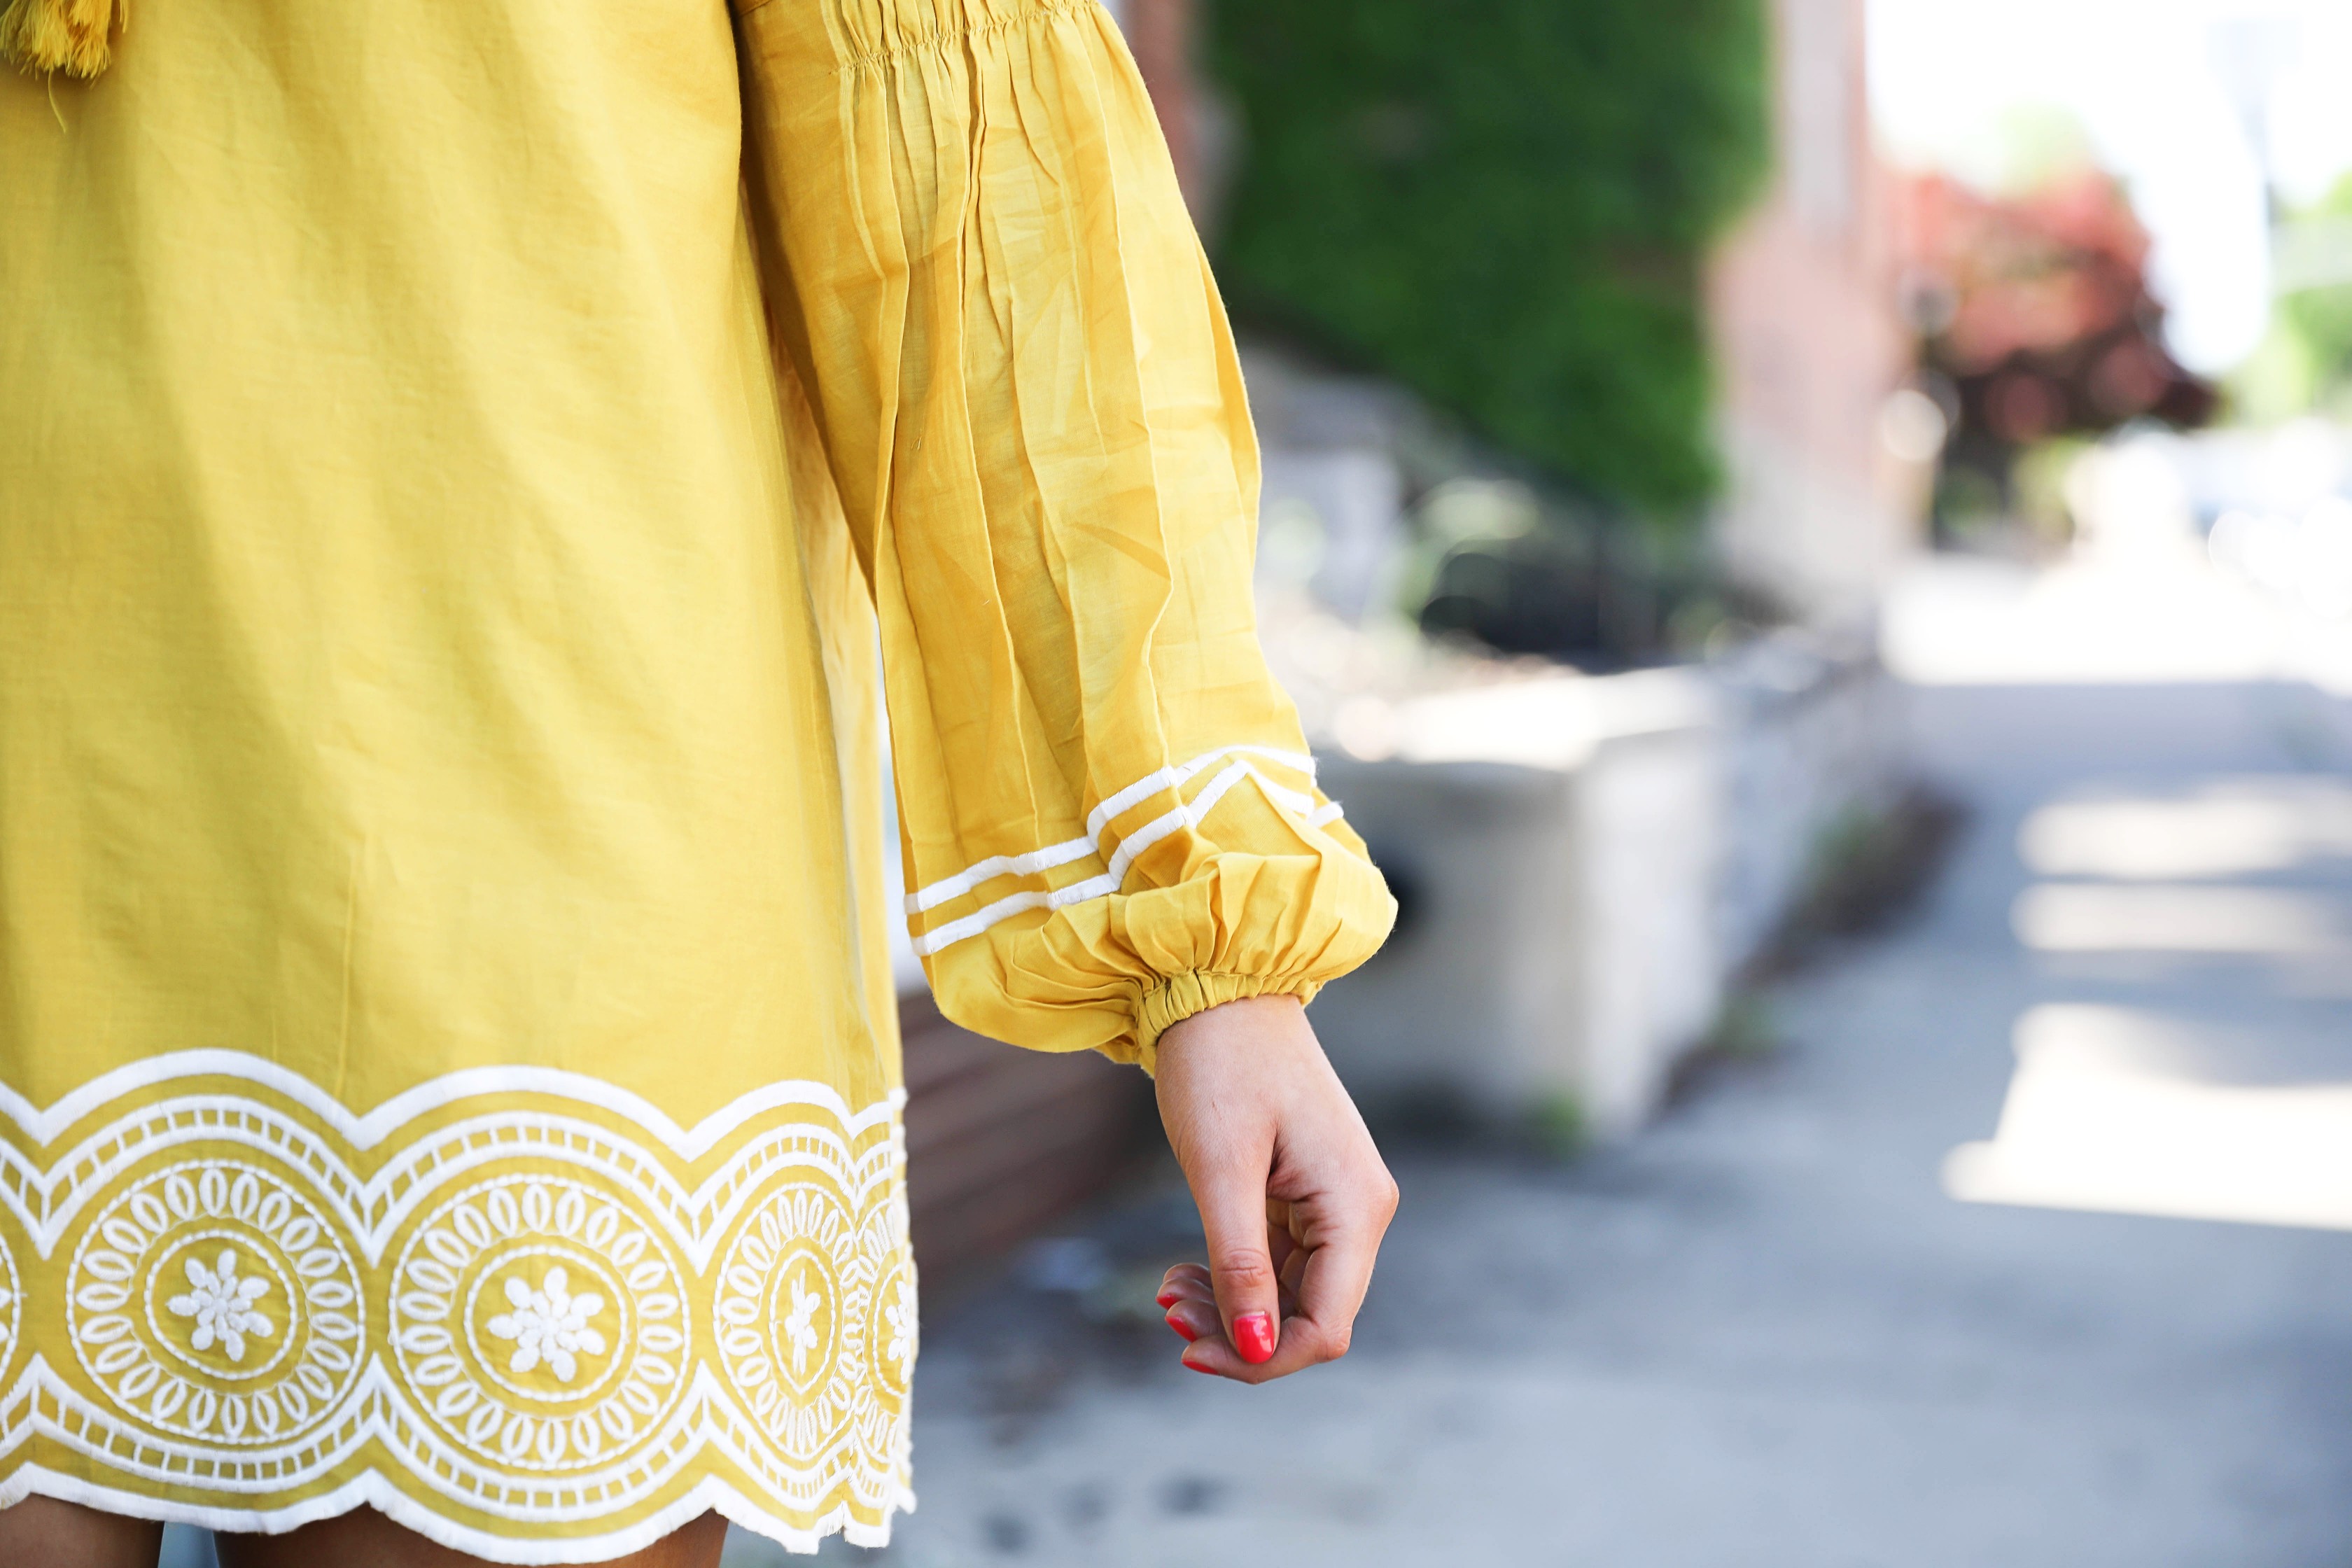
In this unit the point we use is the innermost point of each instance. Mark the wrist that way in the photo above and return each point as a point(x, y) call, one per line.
point(1179, 998)
point(1269, 1010)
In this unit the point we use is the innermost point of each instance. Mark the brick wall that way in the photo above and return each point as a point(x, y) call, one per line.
point(1818, 511)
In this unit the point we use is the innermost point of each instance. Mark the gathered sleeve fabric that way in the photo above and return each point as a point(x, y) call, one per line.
point(980, 268)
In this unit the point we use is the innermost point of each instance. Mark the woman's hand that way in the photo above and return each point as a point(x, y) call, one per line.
point(1292, 1194)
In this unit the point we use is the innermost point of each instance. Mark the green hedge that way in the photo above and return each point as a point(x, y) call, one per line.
point(2319, 322)
point(1506, 205)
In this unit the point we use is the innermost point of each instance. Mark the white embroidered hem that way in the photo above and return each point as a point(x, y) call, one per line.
point(372, 1491)
point(520, 1311)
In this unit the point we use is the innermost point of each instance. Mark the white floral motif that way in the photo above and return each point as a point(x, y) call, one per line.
point(550, 1325)
point(222, 1305)
point(800, 1325)
point(210, 1301)
point(899, 1313)
point(791, 1313)
point(317, 1204)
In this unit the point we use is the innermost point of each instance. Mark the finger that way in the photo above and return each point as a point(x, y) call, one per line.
point(1305, 1341)
point(1185, 1281)
point(1339, 1239)
point(1338, 1271)
point(1289, 1267)
point(1186, 1291)
point(1231, 1195)
point(1323, 1255)
point(1195, 1321)
point(1212, 1356)
point(1193, 1286)
point(1279, 1241)
point(1215, 1355)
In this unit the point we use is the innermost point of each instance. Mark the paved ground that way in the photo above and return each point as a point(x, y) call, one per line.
point(1763, 1333)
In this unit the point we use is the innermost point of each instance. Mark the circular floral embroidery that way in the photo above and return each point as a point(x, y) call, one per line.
point(880, 1405)
point(223, 1305)
point(788, 1336)
point(212, 1299)
point(539, 1323)
point(896, 1332)
point(550, 1325)
point(503, 1311)
point(11, 1304)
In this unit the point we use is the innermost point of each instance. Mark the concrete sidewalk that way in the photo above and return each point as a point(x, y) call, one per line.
point(1764, 1333)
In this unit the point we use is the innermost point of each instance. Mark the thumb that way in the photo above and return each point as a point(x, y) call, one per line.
point(1232, 1200)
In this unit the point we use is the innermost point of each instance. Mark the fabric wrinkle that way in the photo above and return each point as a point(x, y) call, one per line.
point(484, 501)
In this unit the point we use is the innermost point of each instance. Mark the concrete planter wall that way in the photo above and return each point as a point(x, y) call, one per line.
point(1475, 995)
point(1805, 740)
point(1583, 862)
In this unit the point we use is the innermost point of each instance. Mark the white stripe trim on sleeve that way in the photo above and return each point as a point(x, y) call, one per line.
point(1037, 860)
point(1187, 814)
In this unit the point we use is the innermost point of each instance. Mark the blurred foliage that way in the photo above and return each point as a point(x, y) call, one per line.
point(1505, 206)
point(2038, 480)
point(1744, 1027)
point(2039, 329)
point(1869, 867)
point(2321, 320)
point(2305, 362)
point(1559, 1127)
point(2037, 311)
point(1521, 568)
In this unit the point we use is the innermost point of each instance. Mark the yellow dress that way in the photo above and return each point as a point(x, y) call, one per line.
point(459, 463)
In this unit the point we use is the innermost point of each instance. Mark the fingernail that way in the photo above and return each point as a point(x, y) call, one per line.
point(1182, 1327)
point(1254, 1337)
point(1192, 1365)
point(1167, 1298)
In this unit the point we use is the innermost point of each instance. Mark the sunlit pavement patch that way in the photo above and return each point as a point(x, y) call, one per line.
point(2183, 919)
point(2230, 826)
point(2100, 1116)
point(2173, 619)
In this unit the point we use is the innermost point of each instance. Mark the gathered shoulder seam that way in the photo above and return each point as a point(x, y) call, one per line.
point(878, 59)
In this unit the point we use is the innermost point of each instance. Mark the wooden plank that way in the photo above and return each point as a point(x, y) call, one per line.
point(1000, 1142)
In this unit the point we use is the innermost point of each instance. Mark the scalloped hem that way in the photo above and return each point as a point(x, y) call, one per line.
point(380, 1244)
point(374, 1490)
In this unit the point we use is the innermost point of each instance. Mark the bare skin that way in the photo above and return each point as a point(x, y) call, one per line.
point(365, 1539)
point(68, 1535)
point(1292, 1194)
point(1293, 1197)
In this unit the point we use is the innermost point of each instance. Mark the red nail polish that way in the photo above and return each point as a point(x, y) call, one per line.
point(1182, 1327)
point(1167, 1298)
point(1254, 1337)
point(1196, 1366)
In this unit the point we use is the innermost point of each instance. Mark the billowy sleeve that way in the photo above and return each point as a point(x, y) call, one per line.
point(980, 267)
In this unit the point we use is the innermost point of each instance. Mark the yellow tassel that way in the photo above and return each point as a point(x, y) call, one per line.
point(75, 36)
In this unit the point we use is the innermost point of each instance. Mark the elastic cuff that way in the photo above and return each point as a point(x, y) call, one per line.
point(1177, 997)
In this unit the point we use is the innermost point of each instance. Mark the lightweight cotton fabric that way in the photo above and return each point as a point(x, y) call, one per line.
point(458, 461)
